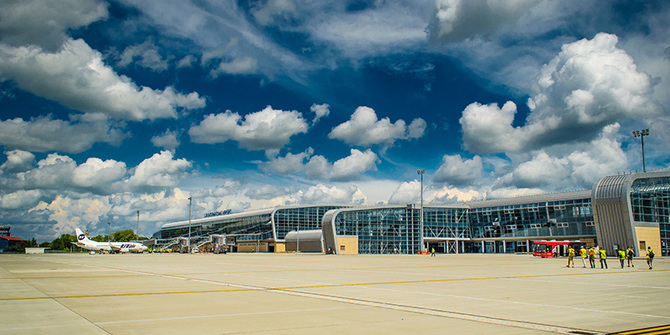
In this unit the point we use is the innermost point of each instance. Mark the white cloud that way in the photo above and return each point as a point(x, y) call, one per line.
point(318, 167)
point(352, 166)
point(406, 193)
point(160, 170)
point(45, 23)
point(379, 28)
point(322, 194)
point(288, 164)
point(268, 129)
point(20, 199)
point(410, 193)
point(568, 166)
point(457, 171)
point(98, 173)
point(168, 140)
point(589, 85)
point(145, 55)
point(364, 129)
point(322, 110)
point(17, 161)
point(186, 62)
point(270, 11)
point(77, 77)
point(237, 66)
point(44, 134)
point(457, 20)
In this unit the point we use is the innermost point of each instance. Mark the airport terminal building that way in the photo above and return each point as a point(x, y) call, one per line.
point(620, 211)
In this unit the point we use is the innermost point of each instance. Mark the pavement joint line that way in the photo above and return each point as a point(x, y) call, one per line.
point(224, 315)
point(452, 314)
point(251, 288)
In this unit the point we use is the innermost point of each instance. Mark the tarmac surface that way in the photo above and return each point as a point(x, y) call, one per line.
point(327, 294)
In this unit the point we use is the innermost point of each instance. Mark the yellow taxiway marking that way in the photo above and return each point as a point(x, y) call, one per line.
point(646, 331)
point(303, 287)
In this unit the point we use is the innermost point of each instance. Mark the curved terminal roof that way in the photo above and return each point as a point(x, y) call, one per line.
point(545, 197)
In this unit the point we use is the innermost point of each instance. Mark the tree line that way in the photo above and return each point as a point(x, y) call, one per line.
point(64, 242)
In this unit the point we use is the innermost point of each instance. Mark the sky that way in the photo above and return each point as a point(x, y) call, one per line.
point(108, 108)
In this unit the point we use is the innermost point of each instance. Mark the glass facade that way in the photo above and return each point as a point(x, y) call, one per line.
point(299, 218)
point(445, 223)
point(505, 225)
point(556, 218)
point(650, 202)
point(382, 230)
point(253, 227)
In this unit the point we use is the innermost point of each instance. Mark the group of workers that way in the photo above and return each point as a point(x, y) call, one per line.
point(621, 254)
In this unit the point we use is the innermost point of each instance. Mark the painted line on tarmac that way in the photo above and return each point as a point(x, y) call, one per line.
point(658, 330)
point(226, 315)
point(245, 288)
point(301, 287)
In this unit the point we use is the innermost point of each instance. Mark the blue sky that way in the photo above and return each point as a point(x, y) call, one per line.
point(110, 107)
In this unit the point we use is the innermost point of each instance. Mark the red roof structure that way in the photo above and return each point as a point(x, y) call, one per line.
point(12, 238)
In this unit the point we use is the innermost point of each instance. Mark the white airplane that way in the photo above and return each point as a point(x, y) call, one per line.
point(84, 242)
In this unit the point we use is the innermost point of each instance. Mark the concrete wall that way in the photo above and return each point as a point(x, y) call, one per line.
point(347, 245)
point(252, 246)
point(648, 237)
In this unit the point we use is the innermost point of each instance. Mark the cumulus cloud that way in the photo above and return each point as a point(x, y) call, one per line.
point(365, 129)
point(322, 194)
point(589, 85)
point(352, 166)
point(289, 164)
point(20, 199)
point(96, 173)
point(457, 171)
point(168, 140)
point(322, 110)
point(17, 161)
point(77, 77)
point(569, 166)
point(318, 167)
point(42, 134)
point(410, 193)
point(45, 23)
point(269, 129)
point(160, 170)
point(457, 20)
point(145, 55)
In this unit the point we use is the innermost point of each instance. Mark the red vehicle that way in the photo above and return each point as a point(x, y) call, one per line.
point(554, 248)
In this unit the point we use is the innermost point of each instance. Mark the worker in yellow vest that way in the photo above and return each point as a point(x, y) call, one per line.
point(571, 256)
point(629, 255)
point(582, 252)
point(650, 257)
point(592, 257)
point(622, 256)
point(603, 259)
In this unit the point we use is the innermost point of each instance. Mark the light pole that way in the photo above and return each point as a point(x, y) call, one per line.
point(190, 204)
point(421, 173)
point(138, 224)
point(109, 235)
point(641, 134)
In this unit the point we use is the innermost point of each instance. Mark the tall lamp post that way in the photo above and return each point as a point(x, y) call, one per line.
point(138, 224)
point(421, 173)
point(190, 204)
point(641, 134)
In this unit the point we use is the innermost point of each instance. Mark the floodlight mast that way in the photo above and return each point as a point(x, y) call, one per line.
point(190, 204)
point(138, 224)
point(641, 134)
point(421, 173)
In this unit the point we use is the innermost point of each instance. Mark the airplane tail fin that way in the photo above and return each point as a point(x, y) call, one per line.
point(80, 235)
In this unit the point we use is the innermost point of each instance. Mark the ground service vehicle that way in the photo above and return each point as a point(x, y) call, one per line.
point(554, 248)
